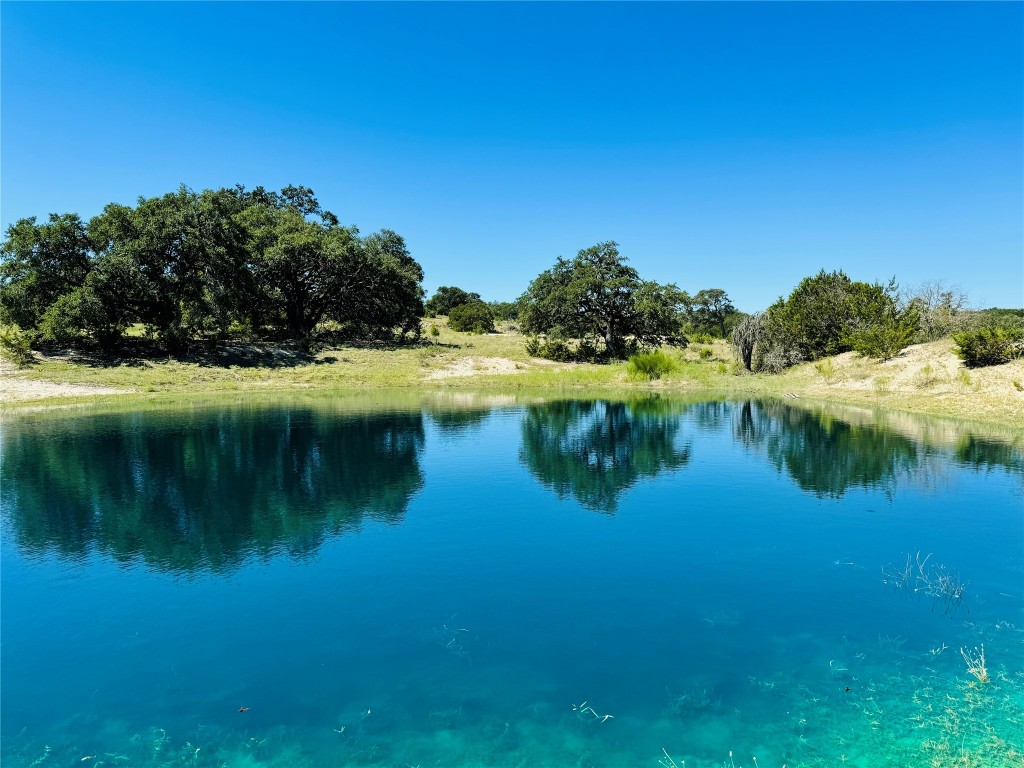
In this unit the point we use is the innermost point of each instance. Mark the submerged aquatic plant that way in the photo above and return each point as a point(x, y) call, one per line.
point(584, 709)
point(917, 577)
point(976, 663)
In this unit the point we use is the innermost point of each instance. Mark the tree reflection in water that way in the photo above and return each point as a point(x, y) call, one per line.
point(828, 456)
point(205, 490)
point(594, 450)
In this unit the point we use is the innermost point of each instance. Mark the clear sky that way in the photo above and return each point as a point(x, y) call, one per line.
point(731, 145)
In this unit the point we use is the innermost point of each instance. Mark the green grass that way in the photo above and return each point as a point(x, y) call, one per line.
point(852, 380)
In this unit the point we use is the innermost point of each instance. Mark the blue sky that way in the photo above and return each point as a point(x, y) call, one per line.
point(732, 145)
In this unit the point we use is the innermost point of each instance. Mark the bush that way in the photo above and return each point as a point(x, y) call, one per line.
point(550, 349)
point(15, 345)
point(748, 333)
point(475, 317)
point(823, 312)
point(989, 346)
point(700, 338)
point(650, 365)
point(885, 340)
point(778, 358)
point(447, 298)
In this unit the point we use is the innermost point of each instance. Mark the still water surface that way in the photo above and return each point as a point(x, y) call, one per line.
point(566, 583)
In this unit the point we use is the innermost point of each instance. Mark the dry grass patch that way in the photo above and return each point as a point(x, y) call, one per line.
point(476, 366)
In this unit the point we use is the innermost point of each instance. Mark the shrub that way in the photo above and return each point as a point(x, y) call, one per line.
point(551, 349)
point(74, 313)
point(65, 319)
point(926, 376)
point(14, 344)
point(434, 331)
point(778, 358)
point(650, 365)
point(823, 313)
point(700, 338)
point(989, 346)
point(826, 369)
point(747, 333)
point(447, 298)
point(587, 352)
point(887, 338)
point(475, 317)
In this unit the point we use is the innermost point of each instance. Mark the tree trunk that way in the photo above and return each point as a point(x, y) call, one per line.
point(611, 343)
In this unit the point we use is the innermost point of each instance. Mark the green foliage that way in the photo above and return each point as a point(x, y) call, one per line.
point(999, 318)
point(826, 368)
point(596, 296)
point(650, 365)
point(889, 336)
point(828, 314)
point(447, 298)
point(15, 344)
point(550, 348)
point(39, 263)
point(708, 310)
point(191, 266)
point(700, 338)
point(475, 317)
point(505, 310)
point(434, 331)
point(989, 346)
point(70, 315)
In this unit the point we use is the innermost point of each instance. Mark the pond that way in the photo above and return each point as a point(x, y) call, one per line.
point(458, 581)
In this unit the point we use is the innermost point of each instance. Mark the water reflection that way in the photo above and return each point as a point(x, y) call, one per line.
point(824, 455)
point(827, 455)
point(981, 453)
point(593, 451)
point(206, 490)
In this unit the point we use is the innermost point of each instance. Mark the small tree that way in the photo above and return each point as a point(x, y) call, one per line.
point(709, 309)
point(446, 298)
point(475, 317)
point(943, 310)
point(746, 335)
point(15, 344)
point(597, 296)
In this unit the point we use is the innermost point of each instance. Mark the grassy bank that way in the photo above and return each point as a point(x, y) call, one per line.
point(925, 379)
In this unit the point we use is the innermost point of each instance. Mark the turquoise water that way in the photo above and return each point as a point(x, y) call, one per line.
point(566, 583)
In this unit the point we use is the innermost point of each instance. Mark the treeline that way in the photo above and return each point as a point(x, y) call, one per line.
point(190, 266)
point(255, 264)
point(596, 307)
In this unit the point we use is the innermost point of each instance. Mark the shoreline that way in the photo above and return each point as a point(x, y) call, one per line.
point(926, 379)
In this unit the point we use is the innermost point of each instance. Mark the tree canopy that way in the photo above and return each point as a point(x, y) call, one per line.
point(596, 295)
point(830, 313)
point(446, 298)
point(190, 265)
point(709, 309)
point(475, 317)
